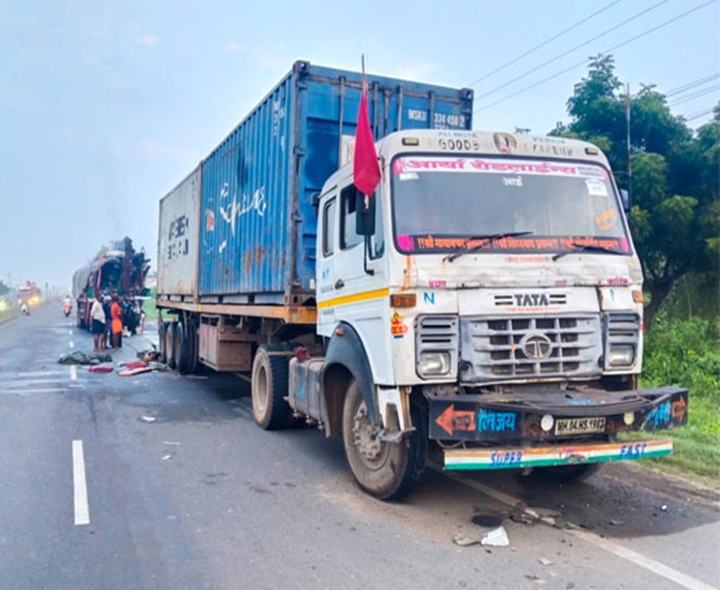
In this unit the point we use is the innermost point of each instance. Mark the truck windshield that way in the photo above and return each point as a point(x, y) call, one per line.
point(449, 204)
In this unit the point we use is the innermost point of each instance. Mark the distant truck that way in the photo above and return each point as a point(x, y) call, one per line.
point(485, 304)
point(119, 270)
point(29, 295)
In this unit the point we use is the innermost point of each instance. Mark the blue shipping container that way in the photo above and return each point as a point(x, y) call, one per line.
point(257, 236)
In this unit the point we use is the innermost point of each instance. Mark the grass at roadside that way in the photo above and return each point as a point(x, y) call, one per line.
point(8, 313)
point(686, 353)
point(151, 312)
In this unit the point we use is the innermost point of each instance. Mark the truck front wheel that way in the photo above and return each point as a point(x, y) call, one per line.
point(385, 470)
point(269, 388)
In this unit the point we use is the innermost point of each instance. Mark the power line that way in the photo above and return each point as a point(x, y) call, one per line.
point(691, 85)
point(698, 115)
point(694, 95)
point(583, 44)
point(605, 52)
point(544, 43)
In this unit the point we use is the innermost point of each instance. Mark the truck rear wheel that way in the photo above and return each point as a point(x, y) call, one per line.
point(162, 329)
point(170, 345)
point(181, 349)
point(269, 388)
point(385, 470)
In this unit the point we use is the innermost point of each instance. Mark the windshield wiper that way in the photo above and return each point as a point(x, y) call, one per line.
point(586, 248)
point(490, 239)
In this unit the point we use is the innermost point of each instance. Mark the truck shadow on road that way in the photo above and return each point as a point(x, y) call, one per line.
point(621, 501)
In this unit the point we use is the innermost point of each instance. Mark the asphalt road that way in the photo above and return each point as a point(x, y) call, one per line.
point(158, 481)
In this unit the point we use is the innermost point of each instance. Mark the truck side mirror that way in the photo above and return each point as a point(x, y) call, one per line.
point(364, 214)
point(625, 198)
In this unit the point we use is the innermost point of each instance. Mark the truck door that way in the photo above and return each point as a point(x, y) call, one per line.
point(352, 278)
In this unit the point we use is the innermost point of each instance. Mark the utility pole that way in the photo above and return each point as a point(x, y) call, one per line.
point(629, 163)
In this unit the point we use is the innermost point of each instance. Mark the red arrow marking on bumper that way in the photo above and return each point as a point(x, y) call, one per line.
point(450, 420)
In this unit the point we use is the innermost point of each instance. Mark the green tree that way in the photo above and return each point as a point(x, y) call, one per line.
point(675, 214)
point(4, 289)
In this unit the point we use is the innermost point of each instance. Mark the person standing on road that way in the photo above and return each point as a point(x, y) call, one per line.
point(117, 327)
point(106, 338)
point(97, 314)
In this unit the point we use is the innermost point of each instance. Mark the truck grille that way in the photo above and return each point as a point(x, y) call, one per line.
point(529, 347)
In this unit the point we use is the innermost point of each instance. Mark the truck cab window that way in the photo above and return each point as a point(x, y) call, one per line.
point(328, 223)
point(348, 237)
point(377, 241)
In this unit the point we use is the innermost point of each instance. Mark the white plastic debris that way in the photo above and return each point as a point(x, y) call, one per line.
point(149, 419)
point(544, 561)
point(496, 538)
point(465, 541)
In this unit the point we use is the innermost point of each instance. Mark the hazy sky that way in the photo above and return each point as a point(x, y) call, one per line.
point(106, 106)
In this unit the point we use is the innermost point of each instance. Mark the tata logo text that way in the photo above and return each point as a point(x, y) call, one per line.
point(531, 299)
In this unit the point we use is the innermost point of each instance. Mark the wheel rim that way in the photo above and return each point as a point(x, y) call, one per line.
point(370, 449)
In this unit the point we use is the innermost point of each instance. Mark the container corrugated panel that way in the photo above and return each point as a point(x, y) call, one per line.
point(178, 239)
point(258, 224)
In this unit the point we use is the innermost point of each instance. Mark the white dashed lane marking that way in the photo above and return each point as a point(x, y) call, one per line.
point(82, 509)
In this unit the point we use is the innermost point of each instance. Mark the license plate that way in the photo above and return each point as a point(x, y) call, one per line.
point(579, 426)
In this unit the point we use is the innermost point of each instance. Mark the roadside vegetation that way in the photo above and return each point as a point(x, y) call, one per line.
point(151, 312)
point(8, 313)
point(675, 225)
point(686, 352)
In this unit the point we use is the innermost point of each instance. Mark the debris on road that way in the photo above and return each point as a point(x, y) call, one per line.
point(149, 419)
point(134, 365)
point(496, 538)
point(465, 541)
point(133, 372)
point(174, 444)
point(100, 369)
point(487, 520)
point(544, 561)
point(80, 358)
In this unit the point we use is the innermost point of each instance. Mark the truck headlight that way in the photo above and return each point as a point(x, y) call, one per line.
point(433, 363)
point(621, 355)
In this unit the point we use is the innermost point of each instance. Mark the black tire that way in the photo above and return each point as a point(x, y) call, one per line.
point(191, 337)
point(180, 349)
point(567, 473)
point(162, 328)
point(387, 471)
point(184, 349)
point(269, 387)
point(170, 345)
